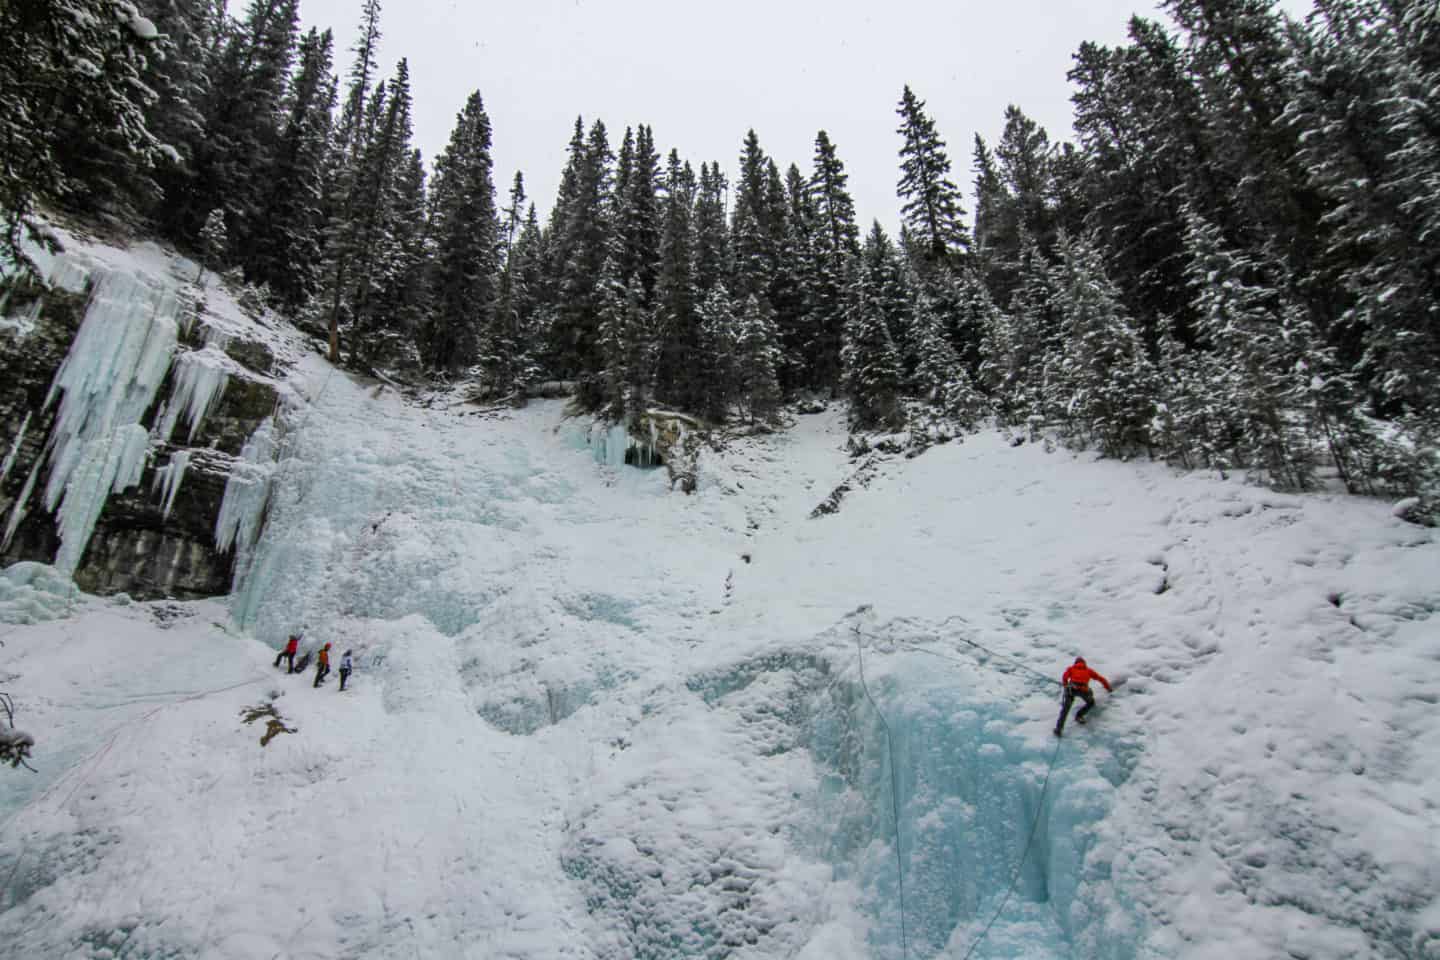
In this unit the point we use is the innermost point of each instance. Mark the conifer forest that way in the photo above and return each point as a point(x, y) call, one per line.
point(1236, 265)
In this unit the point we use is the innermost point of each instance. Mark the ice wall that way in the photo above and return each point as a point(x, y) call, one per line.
point(970, 779)
point(109, 379)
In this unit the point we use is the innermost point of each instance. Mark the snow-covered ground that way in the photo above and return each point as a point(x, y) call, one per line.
point(595, 718)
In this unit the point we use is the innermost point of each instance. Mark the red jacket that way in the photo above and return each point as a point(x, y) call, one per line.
point(1081, 675)
point(293, 645)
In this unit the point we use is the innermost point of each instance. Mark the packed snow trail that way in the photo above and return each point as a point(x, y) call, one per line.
point(595, 718)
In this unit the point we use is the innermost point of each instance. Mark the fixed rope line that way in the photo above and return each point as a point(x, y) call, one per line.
point(894, 792)
point(1020, 867)
point(894, 789)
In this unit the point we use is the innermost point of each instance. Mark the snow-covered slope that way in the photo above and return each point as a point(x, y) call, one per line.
point(594, 718)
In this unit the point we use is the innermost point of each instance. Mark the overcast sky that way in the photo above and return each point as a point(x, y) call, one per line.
point(703, 74)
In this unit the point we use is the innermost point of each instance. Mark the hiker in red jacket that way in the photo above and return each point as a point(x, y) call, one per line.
point(1076, 682)
point(289, 653)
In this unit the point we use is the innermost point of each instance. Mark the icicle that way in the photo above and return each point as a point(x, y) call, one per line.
point(199, 383)
point(15, 447)
point(167, 479)
point(111, 463)
point(246, 492)
point(17, 511)
point(108, 380)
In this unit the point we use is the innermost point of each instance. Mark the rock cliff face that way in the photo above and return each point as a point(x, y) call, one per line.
point(130, 384)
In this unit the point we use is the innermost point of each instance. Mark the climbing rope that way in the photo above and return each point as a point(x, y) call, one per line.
point(1019, 867)
point(894, 791)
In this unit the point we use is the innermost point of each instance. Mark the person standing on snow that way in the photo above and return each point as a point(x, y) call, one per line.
point(288, 653)
point(345, 668)
point(322, 664)
point(1076, 683)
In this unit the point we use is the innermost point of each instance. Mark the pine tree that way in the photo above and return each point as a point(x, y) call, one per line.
point(348, 133)
point(373, 239)
point(836, 248)
point(872, 370)
point(582, 239)
point(718, 327)
point(803, 348)
point(757, 360)
point(939, 376)
point(752, 236)
point(677, 296)
point(712, 238)
point(637, 211)
point(1101, 385)
point(1247, 326)
point(284, 251)
point(71, 76)
point(465, 273)
point(1016, 341)
point(931, 209)
point(242, 120)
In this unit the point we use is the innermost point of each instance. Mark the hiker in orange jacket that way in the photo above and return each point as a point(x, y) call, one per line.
point(322, 664)
point(1076, 683)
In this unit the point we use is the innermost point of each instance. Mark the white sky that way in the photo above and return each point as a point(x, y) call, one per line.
point(702, 75)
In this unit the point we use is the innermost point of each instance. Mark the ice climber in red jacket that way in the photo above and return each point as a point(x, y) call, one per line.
point(1076, 683)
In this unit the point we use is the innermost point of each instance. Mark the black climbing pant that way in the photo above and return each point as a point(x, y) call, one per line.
point(321, 669)
point(1073, 690)
point(344, 675)
point(282, 655)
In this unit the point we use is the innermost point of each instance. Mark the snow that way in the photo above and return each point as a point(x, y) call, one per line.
point(592, 718)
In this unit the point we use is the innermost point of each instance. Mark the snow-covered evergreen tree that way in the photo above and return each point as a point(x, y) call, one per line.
point(757, 359)
point(285, 245)
point(1258, 387)
point(932, 210)
point(940, 378)
point(836, 248)
point(712, 235)
point(677, 295)
point(873, 377)
point(1100, 384)
point(73, 105)
point(718, 327)
point(464, 277)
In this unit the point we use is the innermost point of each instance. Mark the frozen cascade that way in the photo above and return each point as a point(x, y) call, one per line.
point(199, 383)
point(969, 786)
point(613, 445)
point(247, 493)
point(108, 380)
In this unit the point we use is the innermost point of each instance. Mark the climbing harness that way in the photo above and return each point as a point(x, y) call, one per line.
point(895, 790)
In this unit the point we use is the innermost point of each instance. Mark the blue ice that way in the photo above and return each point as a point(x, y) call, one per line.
point(969, 781)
